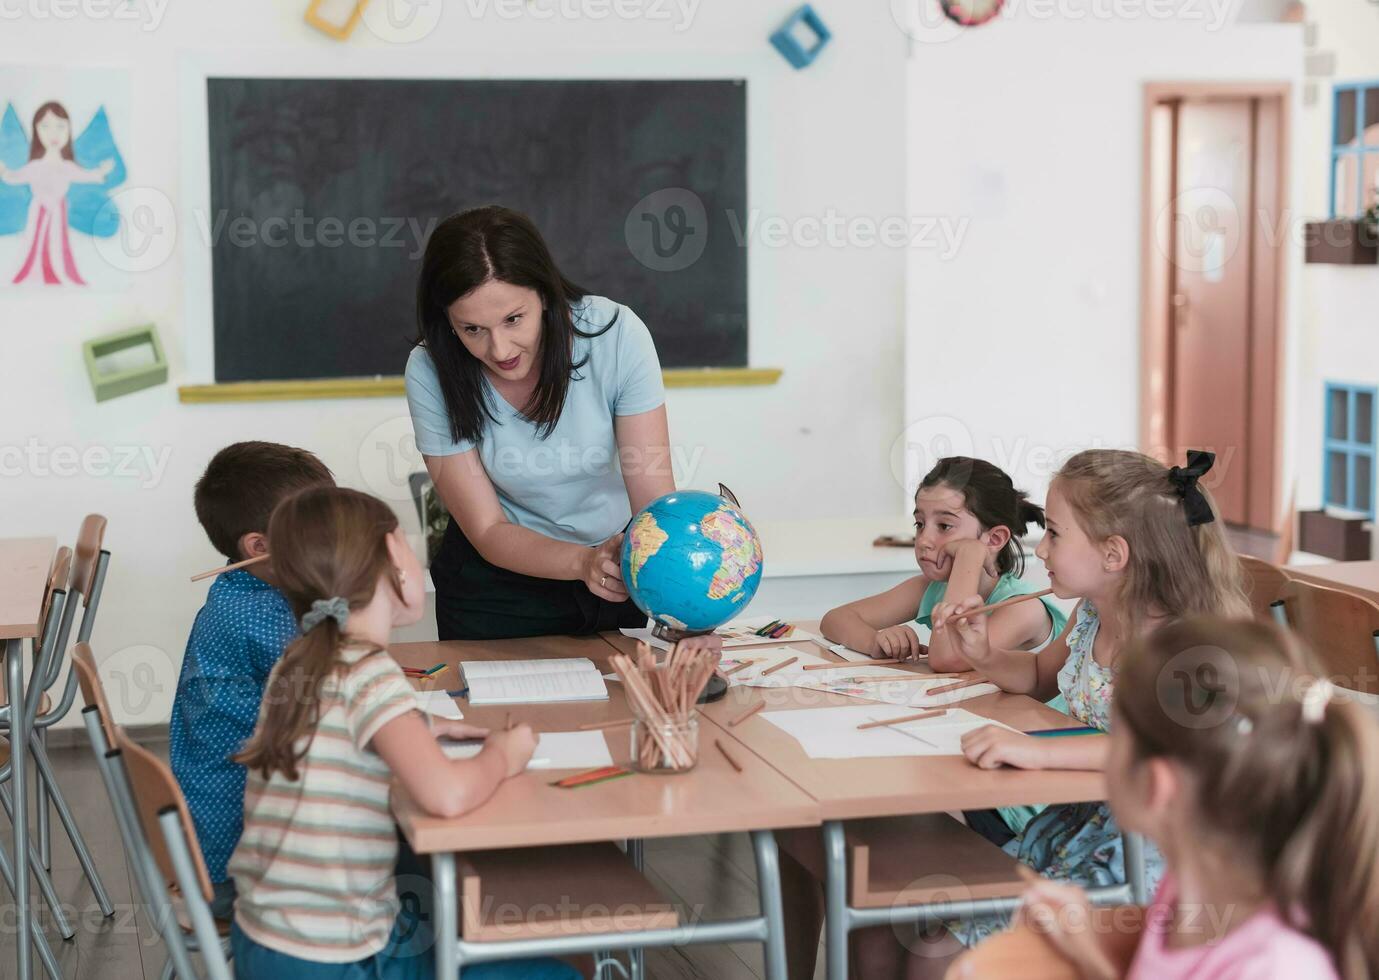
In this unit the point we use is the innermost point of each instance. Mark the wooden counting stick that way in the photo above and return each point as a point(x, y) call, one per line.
point(870, 663)
point(746, 714)
point(923, 715)
point(780, 666)
point(973, 682)
point(988, 610)
point(229, 568)
point(727, 755)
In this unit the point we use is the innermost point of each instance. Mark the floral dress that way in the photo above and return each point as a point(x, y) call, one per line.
point(1074, 842)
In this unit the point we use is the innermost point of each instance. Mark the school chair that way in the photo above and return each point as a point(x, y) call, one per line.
point(80, 587)
point(158, 835)
point(1269, 587)
point(1021, 953)
point(87, 580)
point(1343, 629)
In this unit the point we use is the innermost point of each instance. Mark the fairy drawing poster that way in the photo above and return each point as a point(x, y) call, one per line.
point(60, 164)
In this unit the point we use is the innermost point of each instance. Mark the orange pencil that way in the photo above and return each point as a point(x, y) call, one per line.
point(904, 718)
point(987, 610)
point(229, 568)
point(870, 663)
point(957, 687)
point(731, 761)
point(746, 714)
point(780, 666)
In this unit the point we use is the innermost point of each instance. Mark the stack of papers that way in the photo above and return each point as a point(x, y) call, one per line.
point(533, 681)
point(832, 733)
point(554, 750)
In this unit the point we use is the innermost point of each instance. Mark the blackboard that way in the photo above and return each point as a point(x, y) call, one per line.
point(322, 192)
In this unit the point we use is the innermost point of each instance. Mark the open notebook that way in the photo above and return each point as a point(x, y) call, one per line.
point(533, 681)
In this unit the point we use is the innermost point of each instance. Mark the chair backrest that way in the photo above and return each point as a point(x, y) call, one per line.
point(89, 541)
point(155, 791)
point(92, 690)
point(1266, 584)
point(58, 576)
point(1341, 627)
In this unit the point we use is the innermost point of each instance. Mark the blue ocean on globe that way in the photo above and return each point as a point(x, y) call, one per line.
point(691, 560)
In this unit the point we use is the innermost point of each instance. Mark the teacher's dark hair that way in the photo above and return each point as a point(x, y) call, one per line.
point(467, 250)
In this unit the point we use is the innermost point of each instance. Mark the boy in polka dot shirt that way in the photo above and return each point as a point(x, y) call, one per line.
point(237, 637)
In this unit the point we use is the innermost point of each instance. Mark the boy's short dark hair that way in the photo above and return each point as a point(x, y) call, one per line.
point(244, 482)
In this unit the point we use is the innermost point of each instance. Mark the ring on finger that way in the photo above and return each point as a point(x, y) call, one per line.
point(603, 581)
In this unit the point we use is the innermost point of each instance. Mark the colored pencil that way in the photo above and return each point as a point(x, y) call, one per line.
point(780, 666)
point(914, 677)
point(1059, 732)
point(596, 726)
point(731, 761)
point(437, 669)
point(873, 663)
point(229, 568)
point(987, 610)
point(936, 713)
point(768, 627)
point(957, 687)
point(746, 714)
point(592, 776)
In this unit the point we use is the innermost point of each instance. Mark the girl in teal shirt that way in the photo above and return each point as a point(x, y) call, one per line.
point(968, 518)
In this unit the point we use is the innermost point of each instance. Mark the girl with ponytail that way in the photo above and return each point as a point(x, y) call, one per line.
point(1255, 779)
point(338, 724)
point(968, 521)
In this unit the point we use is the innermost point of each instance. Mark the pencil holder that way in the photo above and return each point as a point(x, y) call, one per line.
point(665, 747)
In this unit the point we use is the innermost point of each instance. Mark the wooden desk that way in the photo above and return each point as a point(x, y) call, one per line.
point(24, 567)
point(1358, 577)
point(847, 789)
point(527, 811)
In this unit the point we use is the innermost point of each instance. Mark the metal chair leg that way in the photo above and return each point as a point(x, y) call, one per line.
point(64, 812)
point(45, 881)
point(40, 942)
point(45, 839)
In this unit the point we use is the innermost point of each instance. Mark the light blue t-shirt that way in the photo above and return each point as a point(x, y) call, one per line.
point(568, 485)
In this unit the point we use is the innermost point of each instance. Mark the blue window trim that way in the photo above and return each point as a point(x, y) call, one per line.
point(1360, 150)
point(1348, 447)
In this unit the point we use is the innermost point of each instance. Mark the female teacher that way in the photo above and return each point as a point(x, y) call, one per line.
point(540, 412)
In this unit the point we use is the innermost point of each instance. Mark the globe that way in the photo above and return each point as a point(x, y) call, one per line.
point(691, 561)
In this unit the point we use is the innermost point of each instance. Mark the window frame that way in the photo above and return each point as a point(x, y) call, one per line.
point(1360, 151)
point(1349, 447)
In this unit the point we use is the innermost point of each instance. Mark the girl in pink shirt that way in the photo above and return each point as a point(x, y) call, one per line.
point(1256, 779)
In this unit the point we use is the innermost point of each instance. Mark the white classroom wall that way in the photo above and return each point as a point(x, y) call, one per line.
point(1339, 303)
point(1024, 346)
point(825, 144)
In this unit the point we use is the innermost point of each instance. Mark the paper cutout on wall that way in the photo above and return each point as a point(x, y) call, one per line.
point(54, 181)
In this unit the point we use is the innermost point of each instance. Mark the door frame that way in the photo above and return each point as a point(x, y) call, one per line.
point(1267, 376)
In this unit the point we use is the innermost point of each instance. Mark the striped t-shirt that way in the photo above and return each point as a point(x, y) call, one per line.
point(314, 867)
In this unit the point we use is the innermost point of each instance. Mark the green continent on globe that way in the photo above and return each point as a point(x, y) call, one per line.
point(647, 539)
point(741, 551)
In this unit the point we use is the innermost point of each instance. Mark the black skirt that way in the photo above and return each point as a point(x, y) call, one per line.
point(476, 600)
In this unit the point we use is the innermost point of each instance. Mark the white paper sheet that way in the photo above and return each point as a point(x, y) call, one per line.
point(438, 703)
point(832, 733)
point(554, 750)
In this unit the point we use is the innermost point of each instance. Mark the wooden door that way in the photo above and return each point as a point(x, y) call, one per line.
point(1211, 293)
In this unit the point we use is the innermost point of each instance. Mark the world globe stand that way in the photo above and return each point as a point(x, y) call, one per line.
point(717, 686)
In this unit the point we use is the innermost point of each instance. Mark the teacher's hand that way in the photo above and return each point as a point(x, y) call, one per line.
point(603, 570)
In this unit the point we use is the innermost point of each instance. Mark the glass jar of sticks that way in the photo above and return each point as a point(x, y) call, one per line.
point(662, 696)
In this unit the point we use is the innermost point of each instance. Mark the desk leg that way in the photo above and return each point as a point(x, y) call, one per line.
point(19, 753)
point(636, 958)
point(447, 916)
point(1134, 868)
point(836, 918)
point(768, 887)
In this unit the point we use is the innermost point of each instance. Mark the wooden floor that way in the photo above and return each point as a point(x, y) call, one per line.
point(707, 876)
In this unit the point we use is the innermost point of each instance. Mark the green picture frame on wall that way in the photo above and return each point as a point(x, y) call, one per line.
point(125, 362)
